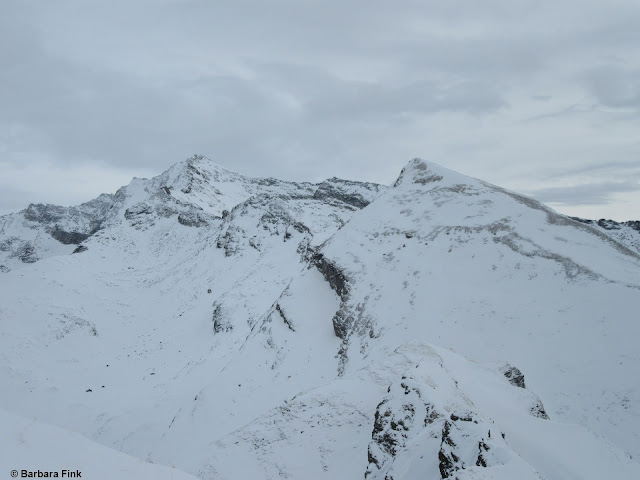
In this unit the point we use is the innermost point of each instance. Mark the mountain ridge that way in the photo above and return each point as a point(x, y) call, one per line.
point(72, 225)
point(189, 190)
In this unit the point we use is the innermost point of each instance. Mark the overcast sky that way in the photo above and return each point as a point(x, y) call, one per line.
point(538, 97)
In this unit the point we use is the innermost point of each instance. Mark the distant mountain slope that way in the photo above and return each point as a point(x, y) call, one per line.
point(235, 327)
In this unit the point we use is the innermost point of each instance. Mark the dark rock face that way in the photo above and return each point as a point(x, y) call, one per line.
point(609, 224)
point(140, 215)
point(192, 219)
point(285, 319)
point(482, 448)
point(80, 249)
point(219, 323)
point(351, 320)
point(69, 238)
point(230, 241)
point(7, 245)
point(392, 424)
point(4, 269)
point(514, 376)
point(400, 416)
point(428, 179)
point(137, 210)
point(21, 249)
point(332, 274)
point(342, 323)
point(537, 410)
point(344, 191)
point(85, 219)
point(448, 460)
point(27, 253)
point(342, 320)
point(46, 214)
point(635, 224)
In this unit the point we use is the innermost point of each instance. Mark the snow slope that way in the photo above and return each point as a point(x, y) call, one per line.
point(627, 233)
point(27, 444)
point(497, 276)
point(236, 327)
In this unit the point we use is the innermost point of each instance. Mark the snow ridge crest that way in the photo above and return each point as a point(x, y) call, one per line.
point(420, 172)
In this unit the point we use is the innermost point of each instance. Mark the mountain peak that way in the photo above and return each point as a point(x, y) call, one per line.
point(198, 168)
point(420, 172)
point(204, 162)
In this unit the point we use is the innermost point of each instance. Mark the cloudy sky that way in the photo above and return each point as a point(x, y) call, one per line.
point(542, 97)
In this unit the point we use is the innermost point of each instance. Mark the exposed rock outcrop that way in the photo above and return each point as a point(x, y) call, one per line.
point(400, 416)
point(220, 323)
point(139, 215)
point(193, 219)
point(406, 423)
point(356, 194)
point(69, 238)
point(332, 274)
point(514, 375)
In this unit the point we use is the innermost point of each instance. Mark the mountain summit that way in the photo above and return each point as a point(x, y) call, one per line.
point(238, 327)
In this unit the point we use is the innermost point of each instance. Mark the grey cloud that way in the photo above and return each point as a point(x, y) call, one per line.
point(78, 113)
point(615, 86)
point(11, 199)
point(574, 109)
point(589, 194)
point(311, 89)
point(323, 96)
point(604, 168)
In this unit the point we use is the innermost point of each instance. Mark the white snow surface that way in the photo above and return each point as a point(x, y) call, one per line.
point(45, 451)
point(230, 327)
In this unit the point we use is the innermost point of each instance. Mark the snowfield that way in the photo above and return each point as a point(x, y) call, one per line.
point(37, 450)
point(203, 323)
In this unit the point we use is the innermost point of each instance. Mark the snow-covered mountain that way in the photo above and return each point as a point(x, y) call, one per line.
point(231, 327)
